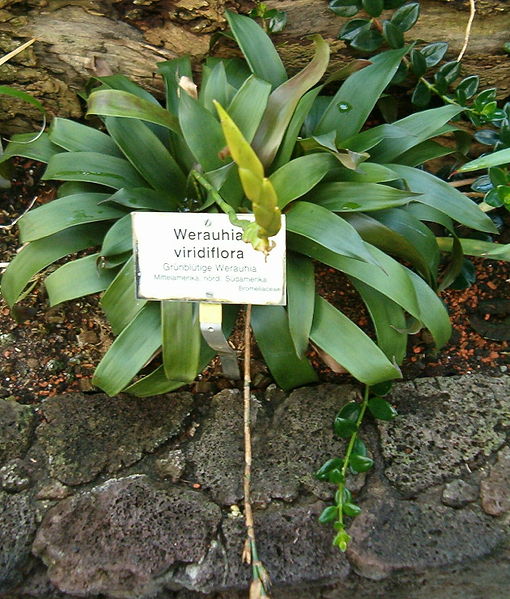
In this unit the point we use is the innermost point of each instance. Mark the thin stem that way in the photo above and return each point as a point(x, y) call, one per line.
point(260, 578)
point(472, 14)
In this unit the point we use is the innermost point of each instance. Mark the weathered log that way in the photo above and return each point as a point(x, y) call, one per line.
point(77, 39)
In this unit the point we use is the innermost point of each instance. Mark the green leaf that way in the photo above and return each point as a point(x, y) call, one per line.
point(76, 137)
point(172, 71)
point(448, 72)
point(77, 279)
point(393, 35)
point(271, 328)
point(487, 161)
point(30, 145)
point(381, 409)
point(64, 213)
point(118, 240)
point(144, 198)
point(343, 8)
point(414, 129)
point(297, 177)
point(283, 101)
point(94, 168)
point(300, 300)
point(359, 463)
point(475, 247)
point(322, 472)
point(361, 92)
point(367, 40)
point(38, 254)
point(329, 514)
point(351, 509)
point(6, 90)
point(335, 476)
point(119, 301)
point(353, 197)
point(367, 172)
point(421, 94)
point(406, 16)
point(130, 351)
point(351, 411)
point(202, 133)
point(113, 102)
point(392, 279)
point(337, 335)
point(388, 319)
point(258, 49)
point(181, 340)
point(147, 154)
point(327, 230)
point(214, 86)
point(418, 63)
point(249, 104)
point(342, 540)
point(445, 198)
point(468, 86)
point(344, 428)
point(373, 7)
point(423, 152)
point(434, 53)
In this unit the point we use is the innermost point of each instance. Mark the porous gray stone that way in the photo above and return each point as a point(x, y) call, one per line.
point(16, 426)
point(122, 537)
point(17, 530)
point(445, 424)
point(293, 546)
point(14, 476)
point(85, 435)
point(458, 493)
point(298, 441)
point(287, 449)
point(392, 535)
point(171, 465)
point(495, 489)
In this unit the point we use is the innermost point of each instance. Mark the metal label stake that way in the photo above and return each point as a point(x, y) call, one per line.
point(210, 316)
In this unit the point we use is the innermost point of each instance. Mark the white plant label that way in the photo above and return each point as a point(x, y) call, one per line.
point(202, 257)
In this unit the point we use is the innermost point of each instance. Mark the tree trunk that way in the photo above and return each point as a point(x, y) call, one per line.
point(77, 39)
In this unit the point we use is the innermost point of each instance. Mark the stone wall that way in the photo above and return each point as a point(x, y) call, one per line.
point(124, 497)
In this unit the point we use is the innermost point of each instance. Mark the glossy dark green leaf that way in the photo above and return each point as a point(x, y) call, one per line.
point(300, 300)
point(271, 328)
point(373, 7)
point(352, 28)
point(350, 411)
point(144, 198)
point(130, 351)
point(41, 253)
point(393, 35)
point(64, 213)
point(76, 137)
point(329, 514)
point(359, 463)
point(469, 86)
point(423, 152)
point(331, 464)
point(361, 90)
point(77, 279)
point(93, 167)
point(335, 476)
point(382, 388)
point(406, 16)
point(344, 428)
point(434, 53)
point(421, 94)
point(418, 63)
point(351, 509)
point(214, 86)
point(448, 72)
point(488, 137)
point(381, 409)
point(258, 49)
point(498, 176)
point(367, 40)
point(330, 325)
point(343, 8)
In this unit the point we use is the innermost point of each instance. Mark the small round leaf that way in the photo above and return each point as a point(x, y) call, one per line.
point(381, 409)
point(434, 53)
point(322, 472)
point(351, 509)
point(373, 7)
point(406, 16)
point(393, 35)
point(344, 428)
point(360, 463)
point(335, 476)
point(329, 514)
point(418, 63)
point(341, 540)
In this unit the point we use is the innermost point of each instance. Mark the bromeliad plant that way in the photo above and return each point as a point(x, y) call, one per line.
point(354, 200)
